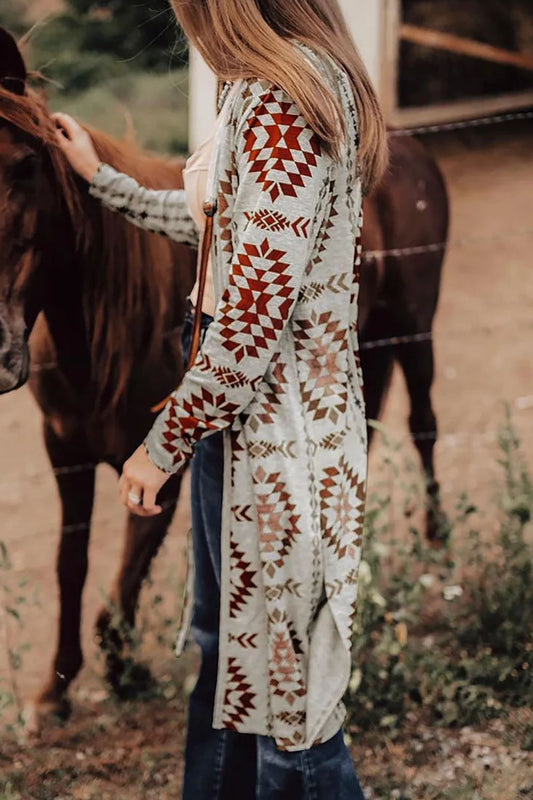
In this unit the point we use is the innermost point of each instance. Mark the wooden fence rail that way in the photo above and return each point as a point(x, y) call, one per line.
point(466, 47)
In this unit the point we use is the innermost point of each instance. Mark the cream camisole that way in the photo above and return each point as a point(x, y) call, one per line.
point(195, 182)
point(195, 176)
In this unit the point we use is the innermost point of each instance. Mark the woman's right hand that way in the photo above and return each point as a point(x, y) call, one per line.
point(77, 145)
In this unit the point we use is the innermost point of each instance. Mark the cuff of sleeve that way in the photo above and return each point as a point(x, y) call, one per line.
point(160, 457)
point(101, 180)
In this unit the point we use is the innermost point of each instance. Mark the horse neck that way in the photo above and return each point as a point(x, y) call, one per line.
point(62, 266)
point(77, 277)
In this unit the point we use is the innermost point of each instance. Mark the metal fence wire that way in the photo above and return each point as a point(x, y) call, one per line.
point(452, 439)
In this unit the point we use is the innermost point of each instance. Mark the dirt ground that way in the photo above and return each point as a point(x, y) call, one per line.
point(483, 338)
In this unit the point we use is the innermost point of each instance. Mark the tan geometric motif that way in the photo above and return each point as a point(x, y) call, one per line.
point(286, 677)
point(332, 440)
point(277, 520)
point(291, 718)
point(290, 586)
point(341, 507)
point(264, 448)
point(335, 284)
point(271, 394)
point(320, 340)
point(286, 742)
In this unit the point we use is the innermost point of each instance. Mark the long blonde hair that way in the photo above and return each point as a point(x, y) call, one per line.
point(253, 39)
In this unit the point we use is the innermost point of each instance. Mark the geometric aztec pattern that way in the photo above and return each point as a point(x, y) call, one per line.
point(270, 220)
point(270, 398)
point(277, 520)
point(340, 498)
point(257, 302)
point(242, 579)
point(239, 697)
point(275, 373)
point(321, 343)
point(279, 147)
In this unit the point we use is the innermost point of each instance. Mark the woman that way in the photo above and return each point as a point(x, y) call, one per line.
point(273, 406)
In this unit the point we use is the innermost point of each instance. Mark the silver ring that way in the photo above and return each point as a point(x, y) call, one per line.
point(134, 498)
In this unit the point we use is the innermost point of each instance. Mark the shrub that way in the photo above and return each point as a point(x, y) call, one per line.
point(449, 636)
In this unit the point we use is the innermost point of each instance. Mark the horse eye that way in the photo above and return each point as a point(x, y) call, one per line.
point(24, 170)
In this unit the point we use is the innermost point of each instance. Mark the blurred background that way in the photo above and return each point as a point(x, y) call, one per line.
point(441, 695)
point(112, 63)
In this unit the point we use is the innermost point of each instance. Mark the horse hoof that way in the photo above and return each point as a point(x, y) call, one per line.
point(438, 530)
point(36, 712)
point(112, 632)
point(130, 680)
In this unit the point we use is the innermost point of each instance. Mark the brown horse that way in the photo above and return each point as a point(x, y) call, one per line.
point(103, 302)
point(399, 295)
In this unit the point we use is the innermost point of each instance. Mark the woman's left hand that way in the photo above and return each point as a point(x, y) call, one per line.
point(140, 482)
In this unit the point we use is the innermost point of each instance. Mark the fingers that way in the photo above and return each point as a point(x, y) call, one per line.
point(140, 482)
point(130, 491)
point(69, 125)
point(149, 506)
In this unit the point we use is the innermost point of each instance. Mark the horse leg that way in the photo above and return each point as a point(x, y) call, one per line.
point(376, 363)
point(116, 620)
point(76, 491)
point(416, 361)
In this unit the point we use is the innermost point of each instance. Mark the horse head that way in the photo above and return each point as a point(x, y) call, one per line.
point(30, 163)
point(20, 172)
point(60, 249)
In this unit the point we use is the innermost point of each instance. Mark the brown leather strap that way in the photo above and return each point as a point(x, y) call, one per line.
point(209, 211)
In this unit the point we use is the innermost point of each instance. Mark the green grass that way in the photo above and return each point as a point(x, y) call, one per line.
point(155, 105)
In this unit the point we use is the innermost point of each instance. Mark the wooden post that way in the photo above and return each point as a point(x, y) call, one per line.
point(365, 20)
point(465, 47)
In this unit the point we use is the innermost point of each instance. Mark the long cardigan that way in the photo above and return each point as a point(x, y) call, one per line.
point(279, 373)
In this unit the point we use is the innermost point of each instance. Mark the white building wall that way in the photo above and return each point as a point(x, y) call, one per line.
point(365, 20)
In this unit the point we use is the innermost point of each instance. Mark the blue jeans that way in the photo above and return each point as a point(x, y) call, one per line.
point(223, 764)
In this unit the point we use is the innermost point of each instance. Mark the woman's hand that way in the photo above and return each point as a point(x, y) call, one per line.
point(140, 482)
point(77, 145)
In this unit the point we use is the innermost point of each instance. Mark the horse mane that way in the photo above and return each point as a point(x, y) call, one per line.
point(128, 281)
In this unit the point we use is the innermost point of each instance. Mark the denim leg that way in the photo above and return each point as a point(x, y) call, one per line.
point(219, 764)
point(330, 773)
point(223, 764)
point(280, 775)
point(324, 772)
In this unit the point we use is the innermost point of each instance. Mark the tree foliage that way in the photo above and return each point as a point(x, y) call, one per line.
point(90, 41)
point(144, 33)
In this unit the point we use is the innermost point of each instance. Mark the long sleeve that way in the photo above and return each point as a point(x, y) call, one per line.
point(283, 183)
point(156, 210)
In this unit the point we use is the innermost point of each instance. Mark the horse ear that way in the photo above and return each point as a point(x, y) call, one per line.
point(12, 67)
